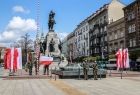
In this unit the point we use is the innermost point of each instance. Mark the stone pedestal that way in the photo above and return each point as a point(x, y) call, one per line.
point(52, 35)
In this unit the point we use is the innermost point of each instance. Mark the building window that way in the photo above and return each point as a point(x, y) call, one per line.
point(130, 43)
point(134, 42)
point(86, 35)
point(122, 34)
point(116, 46)
point(101, 31)
point(90, 51)
point(133, 28)
point(105, 38)
point(129, 29)
point(121, 44)
point(116, 36)
point(101, 39)
point(87, 52)
point(110, 36)
point(131, 16)
point(95, 50)
point(105, 28)
point(86, 28)
point(95, 41)
point(110, 48)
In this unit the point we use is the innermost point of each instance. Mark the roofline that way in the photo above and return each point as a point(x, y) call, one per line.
point(131, 4)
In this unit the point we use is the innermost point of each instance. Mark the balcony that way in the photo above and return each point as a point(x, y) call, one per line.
point(96, 26)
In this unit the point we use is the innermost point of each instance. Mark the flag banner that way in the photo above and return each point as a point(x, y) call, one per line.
point(7, 58)
point(19, 58)
point(44, 60)
point(126, 58)
point(122, 58)
point(13, 59)
point(119, 59)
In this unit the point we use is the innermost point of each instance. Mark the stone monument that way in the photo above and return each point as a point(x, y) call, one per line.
point(52, 40)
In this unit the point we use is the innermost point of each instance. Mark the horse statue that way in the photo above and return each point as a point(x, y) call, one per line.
point(51, 20)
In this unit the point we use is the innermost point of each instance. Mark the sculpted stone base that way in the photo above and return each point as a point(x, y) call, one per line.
point(52, 35)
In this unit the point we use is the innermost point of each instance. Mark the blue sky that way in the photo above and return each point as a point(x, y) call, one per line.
point(69, 13)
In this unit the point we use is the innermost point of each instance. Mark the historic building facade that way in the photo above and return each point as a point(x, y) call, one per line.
point(71, 46)
point(98, 26)
point(64, 44)
point(116, 35)
point(82, 39)
point(132, 26)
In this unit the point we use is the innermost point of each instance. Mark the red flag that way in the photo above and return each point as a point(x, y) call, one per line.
point(125, 58)
point(119, 59)
point(13, 59)
point(7, 59)
point(45, 60)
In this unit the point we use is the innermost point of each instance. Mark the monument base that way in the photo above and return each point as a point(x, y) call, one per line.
point(52, 37)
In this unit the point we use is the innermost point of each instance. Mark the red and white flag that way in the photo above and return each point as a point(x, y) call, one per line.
point(45, 60)
point(122, 59)
point(126, 58)
point(7, 58)
point(13, 59)
point(119, 59)
point(19, 58)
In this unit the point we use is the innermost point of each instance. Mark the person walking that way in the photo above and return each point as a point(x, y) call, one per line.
point(95, 70)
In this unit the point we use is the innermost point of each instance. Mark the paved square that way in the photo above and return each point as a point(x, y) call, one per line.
point(108, 86)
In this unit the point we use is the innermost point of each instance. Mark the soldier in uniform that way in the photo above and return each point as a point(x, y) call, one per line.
point(95, 69)
point(30, 65)
point(85, 70)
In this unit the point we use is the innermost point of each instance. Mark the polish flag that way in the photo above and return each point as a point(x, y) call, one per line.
point(119, 59)
point(17, 59)
point(45, 60)
point(126, 58)
point(7, 58)
point(13, 59)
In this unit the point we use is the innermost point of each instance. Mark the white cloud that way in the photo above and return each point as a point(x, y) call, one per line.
point(62, 35)
point(20, 9)
point(16, 28)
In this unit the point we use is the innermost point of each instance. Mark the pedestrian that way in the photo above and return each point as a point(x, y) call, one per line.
point(95, 70)
point(85, 70)
point(46, 68)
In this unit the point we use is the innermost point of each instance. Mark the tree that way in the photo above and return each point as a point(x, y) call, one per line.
point(26, 44)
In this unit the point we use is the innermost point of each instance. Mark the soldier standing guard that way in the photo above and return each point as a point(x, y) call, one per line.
point(95, 70)
point(30, 65)
point(85, 70)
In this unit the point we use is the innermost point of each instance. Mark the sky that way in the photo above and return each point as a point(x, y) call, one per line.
point(18, 17)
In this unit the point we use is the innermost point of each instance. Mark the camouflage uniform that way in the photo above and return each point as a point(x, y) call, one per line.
point(30, 65)
point(95, 69)
point(85, 70)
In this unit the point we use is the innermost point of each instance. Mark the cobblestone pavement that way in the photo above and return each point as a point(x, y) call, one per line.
point(112, 85)
point(108, 86)
point(28, 87)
